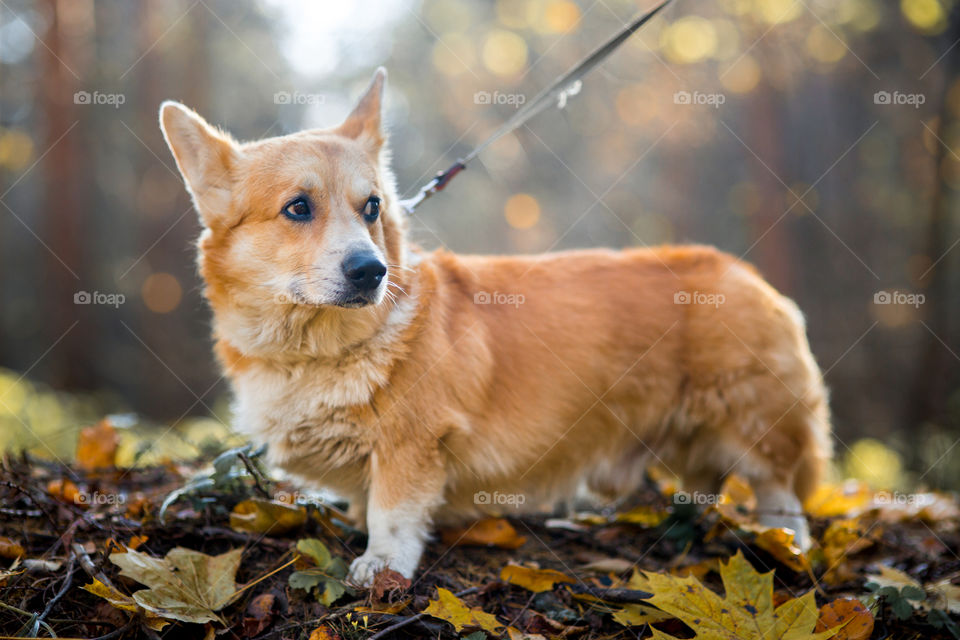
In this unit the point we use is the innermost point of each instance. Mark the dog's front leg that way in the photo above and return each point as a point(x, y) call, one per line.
point(405, 487)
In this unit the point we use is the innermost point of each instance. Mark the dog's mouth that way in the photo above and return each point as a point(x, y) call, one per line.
point(355, 302)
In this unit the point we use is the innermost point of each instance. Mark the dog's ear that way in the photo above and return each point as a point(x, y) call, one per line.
point(364, 122)
point(205, 157)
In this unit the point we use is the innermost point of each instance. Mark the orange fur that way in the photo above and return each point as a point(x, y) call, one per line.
point(414, 406)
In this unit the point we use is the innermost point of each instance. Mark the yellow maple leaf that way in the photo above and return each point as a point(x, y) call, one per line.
point(449, 607)
point(745, 612)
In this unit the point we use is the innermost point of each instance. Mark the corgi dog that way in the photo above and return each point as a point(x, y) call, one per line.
point(431, 388)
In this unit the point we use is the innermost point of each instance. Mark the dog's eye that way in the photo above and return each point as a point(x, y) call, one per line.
point(371, 210)
point(298, 210)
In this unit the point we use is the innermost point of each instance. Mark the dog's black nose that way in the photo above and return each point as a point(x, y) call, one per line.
point(364, 271)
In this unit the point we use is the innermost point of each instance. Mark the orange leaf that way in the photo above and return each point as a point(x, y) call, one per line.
point(136, 541)
point(97, 446)
point(535, 580)
point(10, 549)
point(849, 613)
point(492, 532)
point(65, 491)
point(323, 633)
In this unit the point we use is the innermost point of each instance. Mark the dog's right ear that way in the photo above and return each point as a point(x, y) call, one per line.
point(205, 157)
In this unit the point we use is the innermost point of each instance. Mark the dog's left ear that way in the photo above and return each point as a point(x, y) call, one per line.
point(364, 122)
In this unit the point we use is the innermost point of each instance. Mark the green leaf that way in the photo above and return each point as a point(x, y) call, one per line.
point(901, 608)
point(316, 550)
point(940, 619)
point(331, 592)
point(913, 593)
point(337, 568)
point(307, 579)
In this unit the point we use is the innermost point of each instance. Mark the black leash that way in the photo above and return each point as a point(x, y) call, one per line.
point(557, 93)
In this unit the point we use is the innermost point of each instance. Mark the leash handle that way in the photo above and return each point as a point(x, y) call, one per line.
point(438, 183)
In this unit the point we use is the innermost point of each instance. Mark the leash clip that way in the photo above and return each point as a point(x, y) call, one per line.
point(438, 183)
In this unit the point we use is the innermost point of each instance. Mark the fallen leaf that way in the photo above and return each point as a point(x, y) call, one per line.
point(136, 541)
point(644, 516)
point(943, 595)
point(381, 607)
point(842, 539)
point(259, 615)
point(609, 565)
point(14, 570)
point(490, 532)
point(126, 603)
point(325, 580)
point(746, 612)
point(388, 585)
point(10, 549)
point(853, 497)
point(535, 580)
point(97, 446)
point(257, 515)
point(637, 615)
point(65, 491)
point(186, 585)
point(890, 577)
point(849, 616)
point(315, 550)
point(323, 633)
point(779, 543)
point(452, 609)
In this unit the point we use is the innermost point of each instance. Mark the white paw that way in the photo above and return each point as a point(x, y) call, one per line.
point(364, 568)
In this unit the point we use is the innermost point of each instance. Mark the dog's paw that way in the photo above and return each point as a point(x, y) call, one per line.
point(366, 567)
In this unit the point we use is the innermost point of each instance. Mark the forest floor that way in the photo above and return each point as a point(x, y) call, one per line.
point(220, 551)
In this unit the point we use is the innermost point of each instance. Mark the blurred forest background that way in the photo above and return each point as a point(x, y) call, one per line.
point(819, 139)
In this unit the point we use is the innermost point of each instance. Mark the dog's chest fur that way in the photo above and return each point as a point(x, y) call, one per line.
point(315, 413)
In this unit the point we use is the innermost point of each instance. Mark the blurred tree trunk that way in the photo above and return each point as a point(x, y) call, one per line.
point(938, 370)
point(764, 137)
point(65, 196)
